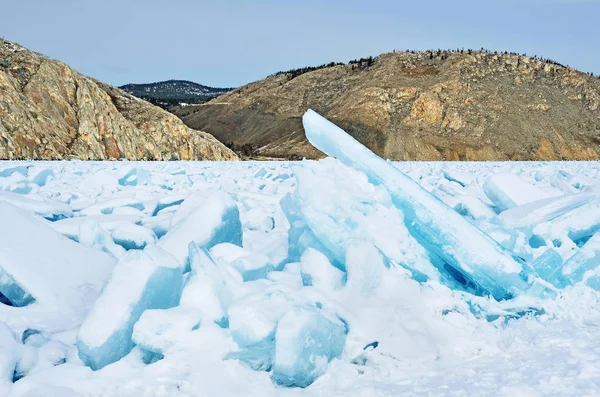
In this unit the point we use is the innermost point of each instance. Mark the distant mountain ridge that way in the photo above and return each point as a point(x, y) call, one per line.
point(174, 92)
point(432, 105)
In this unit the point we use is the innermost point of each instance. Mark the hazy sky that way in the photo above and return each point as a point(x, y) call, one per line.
point(230, 43)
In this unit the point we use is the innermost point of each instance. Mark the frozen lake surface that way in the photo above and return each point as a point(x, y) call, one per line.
point(296, 278)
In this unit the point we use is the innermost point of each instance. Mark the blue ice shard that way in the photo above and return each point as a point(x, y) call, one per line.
point(141, 280)
point(547, 264)
point(208, 287)
point(216, 220)
point(586, 259)
point(462, 247)
point(259, 356)
point(351, 208)
point(578, 224)
point(307, 339)
point(300, 237)
point(135, 177)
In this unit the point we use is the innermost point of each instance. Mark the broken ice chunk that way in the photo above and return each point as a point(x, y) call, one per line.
point(46, 208)
point(130, 236)
point(307, 339)
point(169, 201)
point(472, 207)
point(319, 272)
point(509, 190)
point(255, 317)
point(216, 220)
point(39, 263)
point(107, 207)
point(531, 214)
point(256, 219)
point(188, 205)
point(547, 263)
point(463, 248)
point(578, 224)
point(158, 330)
point(251, 265)
point(38, 358)
point(92, 235)
point(40, 175)
point(352, 208)
point(365, 266)
point(159, 224)
point(460, 177)
point(209, 287)
point(300, 237)
point(149, 279)
point(259, 356)
point(71, 227)
point(11, 292)
point(586, 259)
point(9, 168)
point(16, 183)
point(135, 177)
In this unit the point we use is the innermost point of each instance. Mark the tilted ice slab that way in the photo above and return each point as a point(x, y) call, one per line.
point(579, 223)
point(149, 279)
point(300, 237)
point(209, 287)
point(338, 205)
point(216, 220)
point(534, 213)
point(509, 190)
point(37, 263)
point(71, 227)
point(106, 207)
point(46, 208)
point(462, 246)
point(91, 234)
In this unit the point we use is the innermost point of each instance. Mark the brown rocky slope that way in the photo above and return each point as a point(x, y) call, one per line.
point(49, 111)
point(420, 106)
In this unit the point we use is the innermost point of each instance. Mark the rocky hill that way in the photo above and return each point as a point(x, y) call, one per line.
point(419, 106)
point(174, 92)
point(49, 111)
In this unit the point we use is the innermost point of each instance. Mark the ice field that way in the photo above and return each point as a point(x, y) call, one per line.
point(348, 276)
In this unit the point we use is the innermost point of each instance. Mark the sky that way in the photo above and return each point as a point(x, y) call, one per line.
point(231, 43)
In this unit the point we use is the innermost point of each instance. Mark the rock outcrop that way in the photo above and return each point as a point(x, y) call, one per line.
point(49, 111)
point(420, 106)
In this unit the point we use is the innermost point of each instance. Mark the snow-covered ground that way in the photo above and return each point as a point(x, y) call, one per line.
point(432, 339)
point(347, 276)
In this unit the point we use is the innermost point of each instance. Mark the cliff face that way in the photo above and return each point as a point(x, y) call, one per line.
point(49, 111)
point(423, 106)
